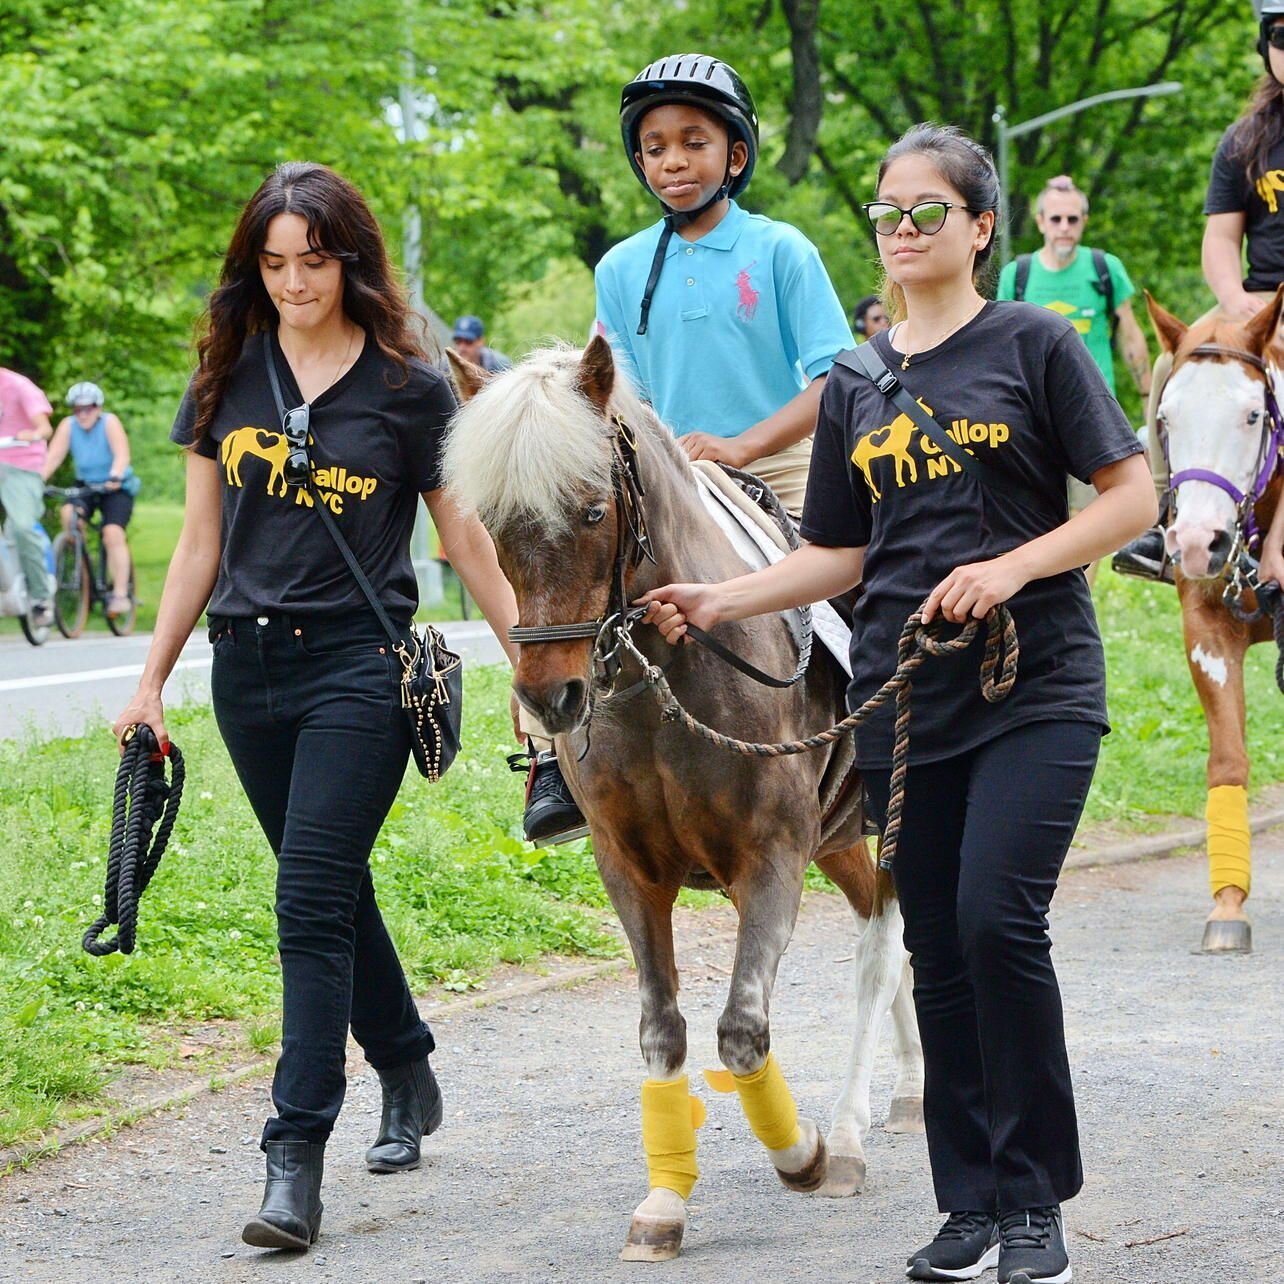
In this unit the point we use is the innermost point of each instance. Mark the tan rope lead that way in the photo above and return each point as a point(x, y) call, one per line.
point(917, 642)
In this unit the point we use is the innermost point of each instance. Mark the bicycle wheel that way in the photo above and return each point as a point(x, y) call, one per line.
point(36, 634)
point(71, 586)
point(122, 625)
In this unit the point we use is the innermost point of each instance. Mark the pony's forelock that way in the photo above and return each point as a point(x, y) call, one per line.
point(529, 447)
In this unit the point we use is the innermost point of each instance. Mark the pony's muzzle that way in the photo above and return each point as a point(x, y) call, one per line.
point(1200, 549)
point(561, 705)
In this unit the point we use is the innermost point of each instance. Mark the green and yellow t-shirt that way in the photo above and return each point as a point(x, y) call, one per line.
point(1074, 293)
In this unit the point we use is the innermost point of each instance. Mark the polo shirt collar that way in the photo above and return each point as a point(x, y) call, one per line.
point(722, 237)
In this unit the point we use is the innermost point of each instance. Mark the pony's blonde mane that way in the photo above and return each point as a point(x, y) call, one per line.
point(530, 446)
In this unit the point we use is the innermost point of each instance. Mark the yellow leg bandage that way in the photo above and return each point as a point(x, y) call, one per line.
point(670, 1117)
point(1229, 864)
point(768, 1103)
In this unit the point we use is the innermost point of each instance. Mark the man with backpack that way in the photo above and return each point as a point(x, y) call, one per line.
point(1086, 285)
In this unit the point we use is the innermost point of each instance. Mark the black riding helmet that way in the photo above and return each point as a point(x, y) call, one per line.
point(703, 82)
point(1268, 12)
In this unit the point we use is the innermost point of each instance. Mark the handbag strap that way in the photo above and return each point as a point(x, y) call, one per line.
point(319, 504)
point(865, 361)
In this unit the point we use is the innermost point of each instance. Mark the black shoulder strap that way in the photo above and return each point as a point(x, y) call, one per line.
point(1022, 276)
point(319, 504)
point(1106, 286)
point(864, 360)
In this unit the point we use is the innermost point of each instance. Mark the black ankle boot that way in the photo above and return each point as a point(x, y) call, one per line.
point(411, 1110)
point(291, 1212)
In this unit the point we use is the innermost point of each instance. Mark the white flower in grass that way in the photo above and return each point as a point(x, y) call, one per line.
point(234, 935)
point(207, 795)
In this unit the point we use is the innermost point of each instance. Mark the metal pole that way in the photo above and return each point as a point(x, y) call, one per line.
point(1006, 132)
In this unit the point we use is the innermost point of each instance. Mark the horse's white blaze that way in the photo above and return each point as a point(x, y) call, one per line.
point(1214, 666)
point(1209, 410)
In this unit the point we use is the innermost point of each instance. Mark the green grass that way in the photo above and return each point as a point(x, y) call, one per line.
point(460, 892)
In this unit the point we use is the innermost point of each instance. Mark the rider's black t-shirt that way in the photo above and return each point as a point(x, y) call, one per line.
point(374, 448)
point(1261, 203)
point(1018, 388)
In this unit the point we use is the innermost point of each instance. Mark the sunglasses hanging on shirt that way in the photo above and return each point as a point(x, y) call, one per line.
point(295, 424)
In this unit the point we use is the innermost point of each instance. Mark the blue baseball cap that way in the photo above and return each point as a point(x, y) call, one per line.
point(469, 328)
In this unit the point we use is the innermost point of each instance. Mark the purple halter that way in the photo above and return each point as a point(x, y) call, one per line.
point(1272, 446)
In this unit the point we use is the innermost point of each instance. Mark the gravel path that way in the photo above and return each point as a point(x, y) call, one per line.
point(1177, 1064)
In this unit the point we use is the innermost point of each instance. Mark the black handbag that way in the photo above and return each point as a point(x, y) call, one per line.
point(432, 675)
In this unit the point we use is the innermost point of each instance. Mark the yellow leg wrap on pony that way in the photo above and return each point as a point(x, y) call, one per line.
point(1229, 864)
point(768, 1104)
point(670, 1117)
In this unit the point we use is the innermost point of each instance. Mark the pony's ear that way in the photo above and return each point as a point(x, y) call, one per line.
point(596, 375)
point(1261, 329)
point(1170, 331)
point(469, 379)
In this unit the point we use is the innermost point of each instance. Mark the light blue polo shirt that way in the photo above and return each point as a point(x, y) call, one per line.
point(738, 318)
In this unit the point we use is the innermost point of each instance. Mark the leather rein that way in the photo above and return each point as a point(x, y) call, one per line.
point(611, 630)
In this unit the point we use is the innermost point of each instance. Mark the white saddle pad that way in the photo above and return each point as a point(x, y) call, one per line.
point(757, 549)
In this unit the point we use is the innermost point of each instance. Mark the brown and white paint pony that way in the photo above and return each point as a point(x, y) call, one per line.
point(538, 453)
point(1219, 418)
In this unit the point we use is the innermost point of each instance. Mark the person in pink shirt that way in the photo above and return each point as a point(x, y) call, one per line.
point(24, 430)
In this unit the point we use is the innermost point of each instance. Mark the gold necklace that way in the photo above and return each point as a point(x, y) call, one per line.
point(940, 338)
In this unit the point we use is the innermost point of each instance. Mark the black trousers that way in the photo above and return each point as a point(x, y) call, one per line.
point(983, 838)
point(308, 708)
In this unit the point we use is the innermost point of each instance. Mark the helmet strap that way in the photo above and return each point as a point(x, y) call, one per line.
point(674, 219)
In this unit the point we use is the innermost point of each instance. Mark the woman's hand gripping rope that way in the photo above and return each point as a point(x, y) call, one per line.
point(919, 639)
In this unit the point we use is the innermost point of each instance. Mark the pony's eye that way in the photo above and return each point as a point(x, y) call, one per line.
point(594, 514)
point(1254, 418)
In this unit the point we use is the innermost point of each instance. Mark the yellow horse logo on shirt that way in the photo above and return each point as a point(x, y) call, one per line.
point(269, 446)
point(891, 440)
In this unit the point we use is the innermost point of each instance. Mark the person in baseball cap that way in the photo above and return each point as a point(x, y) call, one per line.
point(469, 340)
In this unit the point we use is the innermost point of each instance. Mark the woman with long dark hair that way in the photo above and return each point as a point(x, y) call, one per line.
point(304, 682)
point(994, 791)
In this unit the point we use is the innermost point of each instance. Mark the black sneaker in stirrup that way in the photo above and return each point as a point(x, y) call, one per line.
point(1144, 557)
point(965, 1247)
point(1032, 1247)
point(552, 816)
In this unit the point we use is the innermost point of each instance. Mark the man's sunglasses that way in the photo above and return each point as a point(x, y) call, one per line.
point(1069, 219)
point(295, 427)
point(927, 216)
point(1275, 37)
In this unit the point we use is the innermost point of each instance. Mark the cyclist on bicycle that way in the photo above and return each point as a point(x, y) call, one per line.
point(24, 427)
point(100, 455)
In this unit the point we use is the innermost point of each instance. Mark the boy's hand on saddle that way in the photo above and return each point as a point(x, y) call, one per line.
point(1243, 307)
point(973, 591)
point(674, 606)
point(723, 450)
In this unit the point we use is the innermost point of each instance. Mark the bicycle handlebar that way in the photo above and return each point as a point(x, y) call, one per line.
point(75, 492)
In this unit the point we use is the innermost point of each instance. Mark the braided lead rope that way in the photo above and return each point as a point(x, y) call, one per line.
point(141, 798)
point(916, 643)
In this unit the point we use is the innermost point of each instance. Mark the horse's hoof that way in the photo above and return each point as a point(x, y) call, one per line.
point(811, 1176)
point(652, 1240)
point(1227, 936)
point(845, 1176)
point(905, 1115)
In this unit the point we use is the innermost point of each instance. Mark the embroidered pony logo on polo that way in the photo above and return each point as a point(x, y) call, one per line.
point(748, 304)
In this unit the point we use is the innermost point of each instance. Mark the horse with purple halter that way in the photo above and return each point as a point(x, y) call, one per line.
point(1220, 428)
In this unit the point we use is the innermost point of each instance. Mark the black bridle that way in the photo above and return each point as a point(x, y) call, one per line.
point(612, 630)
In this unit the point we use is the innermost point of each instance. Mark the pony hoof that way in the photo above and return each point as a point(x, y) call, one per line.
point(905, 1115)
point(655, 1233)
point(811, 1176)
point(1227, 936)
point(651, 1240)
point(845, 1176)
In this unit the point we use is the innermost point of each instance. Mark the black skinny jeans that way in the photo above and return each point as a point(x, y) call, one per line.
point(983, 838)
point(308, 708)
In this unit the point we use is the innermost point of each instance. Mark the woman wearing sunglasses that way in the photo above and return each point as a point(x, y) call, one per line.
point(994, 791)
point(305, 687)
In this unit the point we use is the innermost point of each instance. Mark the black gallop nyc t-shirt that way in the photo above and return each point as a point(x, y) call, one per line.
point(1230, 192)
point(374, 448)
point(1017, 388)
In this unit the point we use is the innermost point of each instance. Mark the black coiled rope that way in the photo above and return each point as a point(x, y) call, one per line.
point(142, 798)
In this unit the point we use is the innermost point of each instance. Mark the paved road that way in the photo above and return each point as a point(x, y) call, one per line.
point(1177, 1066)
point(67, 687)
